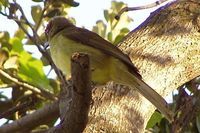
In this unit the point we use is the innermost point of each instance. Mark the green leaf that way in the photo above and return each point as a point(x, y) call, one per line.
point(11, 63)
point(110, 36)
point(121, 35)
point(117, 6)
point(100, 28)
point(3, 56)
point(17, 46)
point(19, 34)
point(31, 70)
point(124, 30)
point(4, 2)
point(4, 36)
point(106, 15)
point(155, 118)
point(118, 39)
point(4, 40)
point(36, 13)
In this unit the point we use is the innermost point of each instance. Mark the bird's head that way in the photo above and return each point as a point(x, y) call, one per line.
point(55, 25)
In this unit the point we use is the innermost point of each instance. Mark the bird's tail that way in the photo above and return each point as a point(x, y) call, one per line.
point(124, 77)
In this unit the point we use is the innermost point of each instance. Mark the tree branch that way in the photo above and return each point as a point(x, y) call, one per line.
point(34, 89)
point(165, 49)
point(74, 116)
point(42, 116)
point(126, 9)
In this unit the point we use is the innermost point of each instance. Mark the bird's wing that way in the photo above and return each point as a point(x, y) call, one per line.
point(92, 39)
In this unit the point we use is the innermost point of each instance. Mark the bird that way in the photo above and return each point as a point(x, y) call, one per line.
point(107, 62)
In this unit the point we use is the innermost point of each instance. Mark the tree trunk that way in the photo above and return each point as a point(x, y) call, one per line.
point(166, 50)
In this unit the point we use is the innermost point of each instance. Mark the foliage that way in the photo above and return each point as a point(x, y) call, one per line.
point(19, 66)
point(113, 30)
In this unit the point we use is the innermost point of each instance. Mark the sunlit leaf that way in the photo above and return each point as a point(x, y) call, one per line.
point(110, 36)
point(19, 34)
point(113, 30)
point(106, 15)
point(155, 118)
point(11, 63)
point(4, 36)
point(118, 39)
point(121, 35)
point(100, 29)
point(36, 13)
point(4, 40)
point(3, 56)
point(124, 30)
point(117, 6)
point(17, 46)
point(31, 70)
point(4, 2)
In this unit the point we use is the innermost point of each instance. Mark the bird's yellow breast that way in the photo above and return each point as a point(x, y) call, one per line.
point(62, 48)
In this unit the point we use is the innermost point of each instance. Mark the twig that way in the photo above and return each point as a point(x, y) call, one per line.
point(36, 90)
point(41, 16)
point(36, 40)
point(3, 14)
point(14, 109)
point(42, 116)
point(23, 15)
point(126, 9)
point(7, 86)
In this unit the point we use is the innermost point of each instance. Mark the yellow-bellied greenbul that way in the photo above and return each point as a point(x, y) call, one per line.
point(107, 62)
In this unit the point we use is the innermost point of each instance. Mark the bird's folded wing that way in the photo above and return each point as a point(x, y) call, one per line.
point(92, 39)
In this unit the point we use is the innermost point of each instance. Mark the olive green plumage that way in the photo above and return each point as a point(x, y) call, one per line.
point(107, 62)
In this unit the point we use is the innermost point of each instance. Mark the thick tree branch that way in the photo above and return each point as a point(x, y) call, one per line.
point(166, 50)
point(74, 116)
point(42, 116)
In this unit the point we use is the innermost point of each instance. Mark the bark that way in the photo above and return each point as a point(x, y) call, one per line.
point(45, 115)
point(166, 50)
point(74, 114)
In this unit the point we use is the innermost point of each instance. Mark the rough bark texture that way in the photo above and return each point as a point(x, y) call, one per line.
point(74, 116)
point(166, 50)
